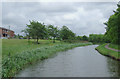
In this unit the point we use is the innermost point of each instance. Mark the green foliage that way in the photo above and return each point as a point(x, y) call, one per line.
point(36, 30)
point(66, 33)
point(113, 27)
point(79, 37)
point(85, 38)
point(12, 64)
point(26, 31)
point(53, 32)
point(97, 38)
point(82, 38)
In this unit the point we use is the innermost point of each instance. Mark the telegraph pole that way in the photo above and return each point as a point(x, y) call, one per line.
point(9, 32)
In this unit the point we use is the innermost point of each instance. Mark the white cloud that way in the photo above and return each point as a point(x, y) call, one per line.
point(81, 18)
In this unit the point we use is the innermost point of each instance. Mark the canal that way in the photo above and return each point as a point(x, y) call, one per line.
point(77, 62)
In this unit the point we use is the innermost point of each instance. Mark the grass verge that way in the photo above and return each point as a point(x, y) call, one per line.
point(13, 46)
point(12, 64)
point(114, 46)
point(107, 52)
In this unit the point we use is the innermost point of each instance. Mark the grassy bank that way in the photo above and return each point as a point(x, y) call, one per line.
point(114, 46)
point(107, 52)
point(12, 46)
point(13, 63)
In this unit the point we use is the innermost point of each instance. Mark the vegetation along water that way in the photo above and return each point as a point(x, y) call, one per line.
point(42, 41)
point(13, 62)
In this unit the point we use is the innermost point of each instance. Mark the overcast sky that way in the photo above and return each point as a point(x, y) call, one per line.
point(83, 18)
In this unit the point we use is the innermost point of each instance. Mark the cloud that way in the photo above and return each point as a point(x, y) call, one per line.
point(83, 18)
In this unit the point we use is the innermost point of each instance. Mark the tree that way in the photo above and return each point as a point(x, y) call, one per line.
point(97, 38)
point(66, 33)
point(36, 30)
point(79, 37)
point(113, 27)
point(27, 33)
point(85, 38)
point(53, 32)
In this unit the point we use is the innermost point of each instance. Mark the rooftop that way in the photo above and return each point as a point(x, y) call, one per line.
point(5, 29)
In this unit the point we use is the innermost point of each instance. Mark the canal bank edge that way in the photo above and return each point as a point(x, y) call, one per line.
point(12, 65)
point(107, 52)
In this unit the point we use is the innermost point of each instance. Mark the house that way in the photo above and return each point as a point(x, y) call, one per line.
point(6, 33)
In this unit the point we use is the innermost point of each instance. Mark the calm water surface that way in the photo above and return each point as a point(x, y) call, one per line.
point(78, 62)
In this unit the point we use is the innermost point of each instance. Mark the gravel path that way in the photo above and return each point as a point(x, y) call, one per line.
point(111, 48)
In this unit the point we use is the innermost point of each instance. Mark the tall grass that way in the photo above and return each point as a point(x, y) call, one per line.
point(12, 64)
point(12, 46)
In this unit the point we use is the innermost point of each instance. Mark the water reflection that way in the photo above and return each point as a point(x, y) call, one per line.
point(113, 67)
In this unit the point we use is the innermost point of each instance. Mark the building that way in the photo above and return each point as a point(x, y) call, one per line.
point(6, 33)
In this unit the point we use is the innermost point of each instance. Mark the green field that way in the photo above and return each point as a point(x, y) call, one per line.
point(24, 53)
point(13, 46)
point(108, 52)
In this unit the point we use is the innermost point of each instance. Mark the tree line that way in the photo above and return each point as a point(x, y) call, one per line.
point(113, 27)
point(37, 30)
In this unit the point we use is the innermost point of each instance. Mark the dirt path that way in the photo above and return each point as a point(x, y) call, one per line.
point(111, 48)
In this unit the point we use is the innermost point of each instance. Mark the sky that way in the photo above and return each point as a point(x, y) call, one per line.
point(83, 18)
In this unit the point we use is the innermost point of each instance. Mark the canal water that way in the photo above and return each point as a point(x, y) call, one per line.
point(77, 62)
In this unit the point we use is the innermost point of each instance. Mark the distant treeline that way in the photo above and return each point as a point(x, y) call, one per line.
point(36, 30)
point(95, 38)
